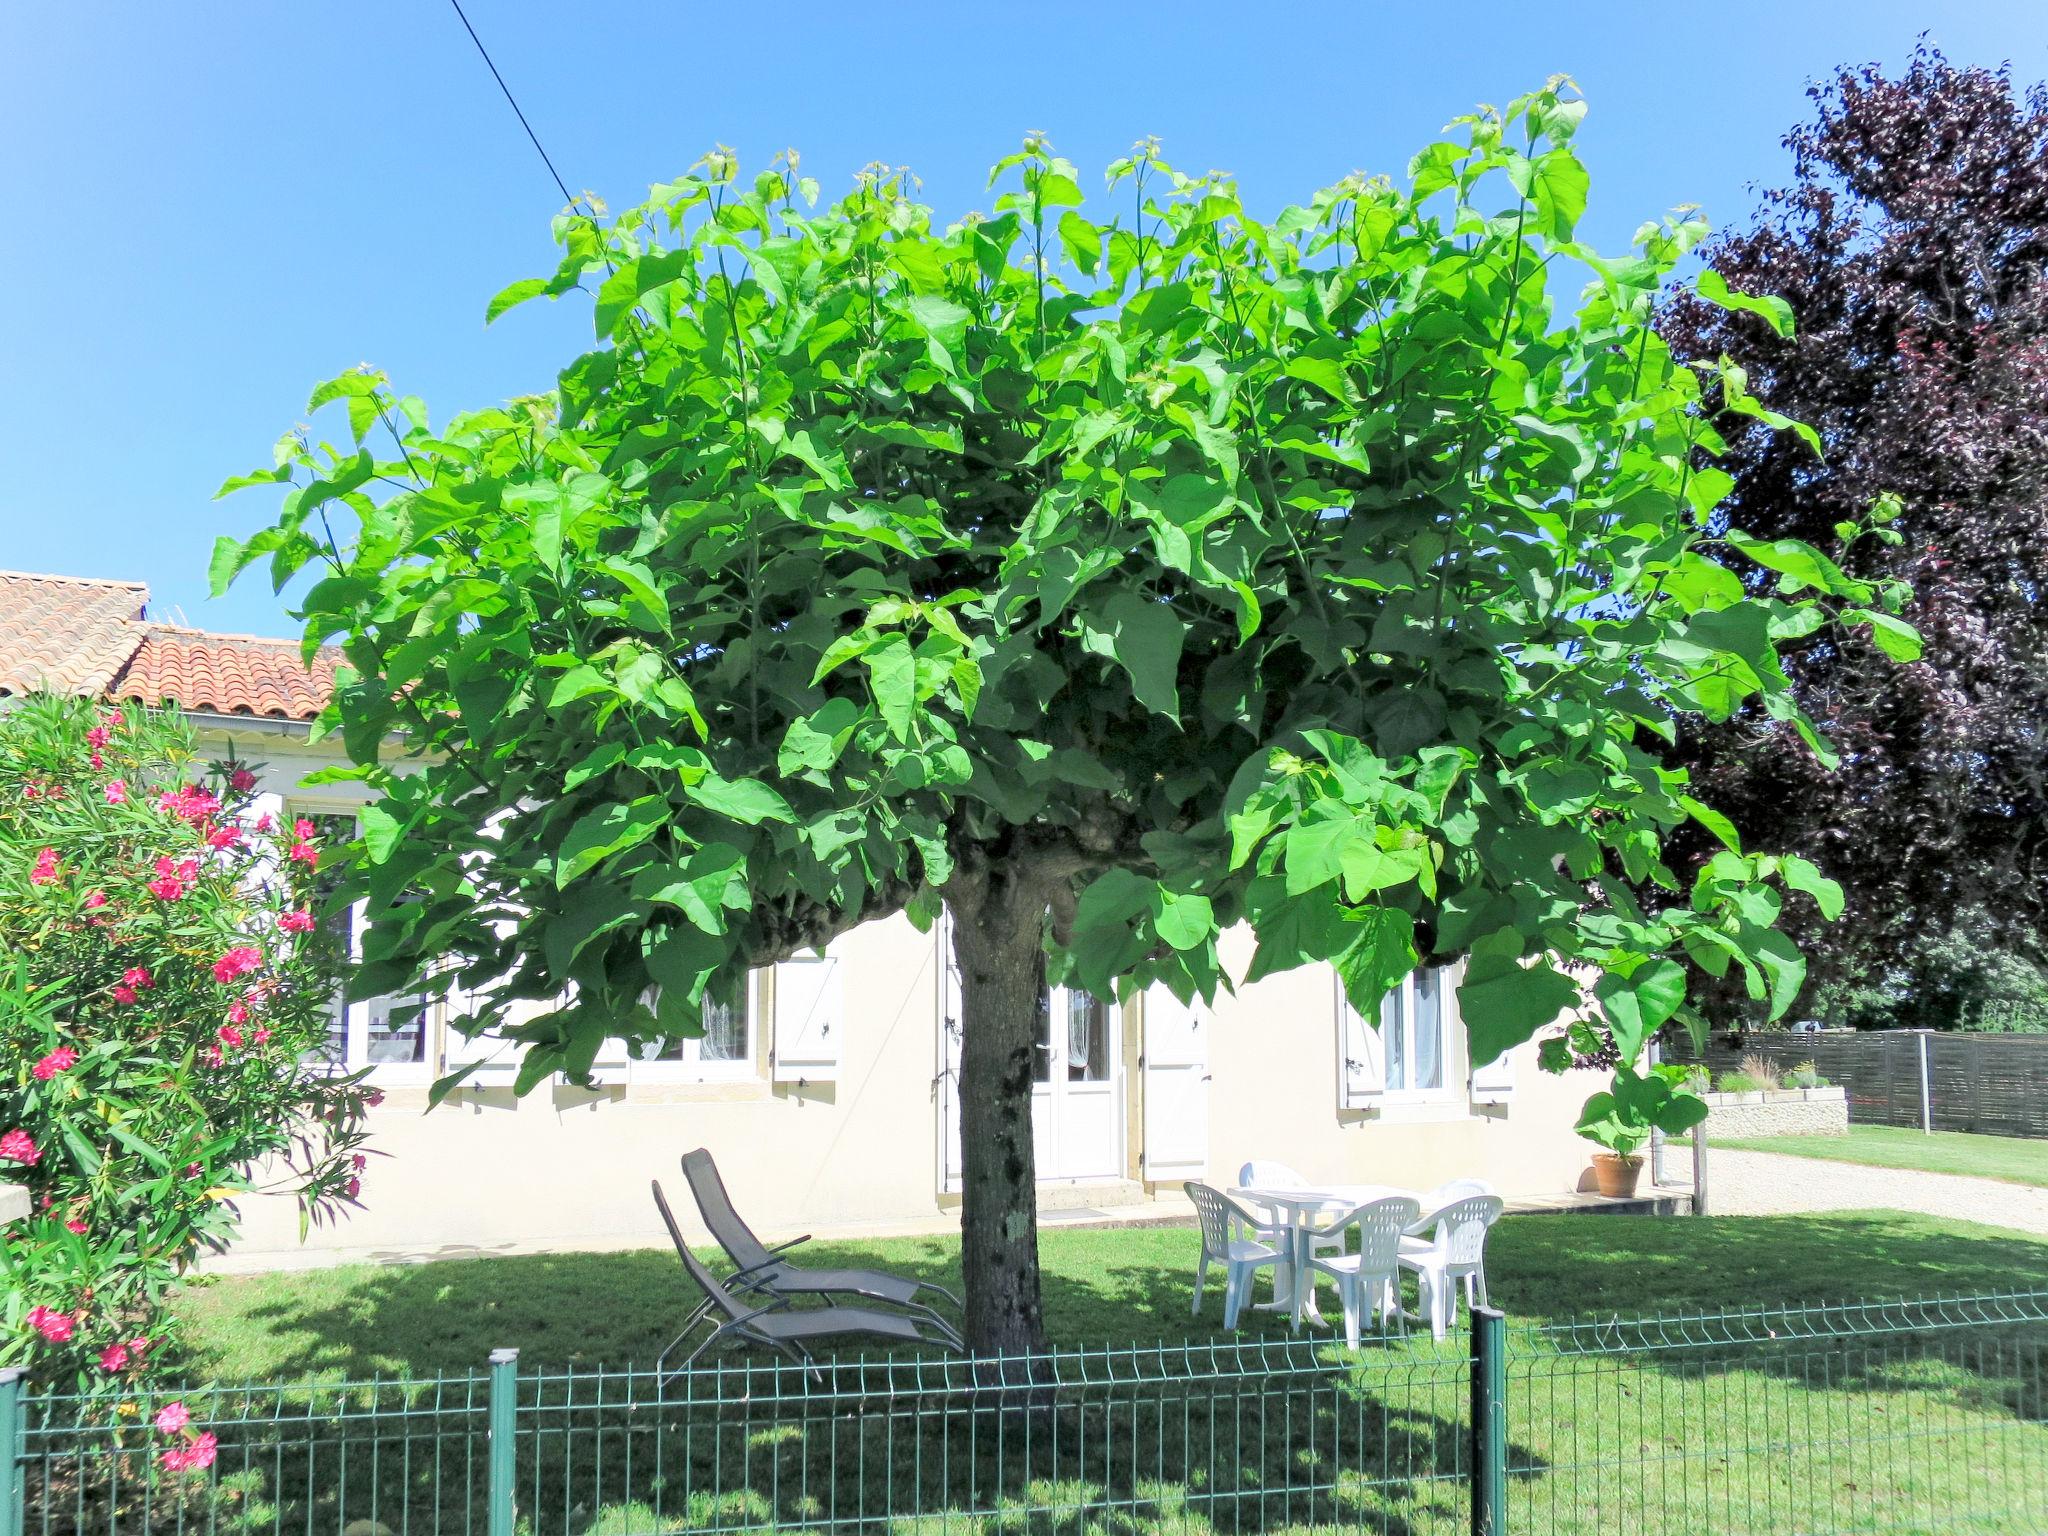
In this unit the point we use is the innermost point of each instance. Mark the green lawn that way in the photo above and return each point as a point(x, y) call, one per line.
point(1903, 1431)
point(2011, 1158)
point(1102, 1286)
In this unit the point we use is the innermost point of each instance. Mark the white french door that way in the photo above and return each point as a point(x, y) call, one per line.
point(1077, 1086)
point(1077, 1090)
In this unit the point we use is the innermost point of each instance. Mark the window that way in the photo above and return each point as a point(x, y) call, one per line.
point(1414, 1027)
point(724, 1051)
point(387, 1032)
point(1084, 1039)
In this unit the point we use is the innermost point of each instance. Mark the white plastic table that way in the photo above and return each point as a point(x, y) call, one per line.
point(1299, 1211)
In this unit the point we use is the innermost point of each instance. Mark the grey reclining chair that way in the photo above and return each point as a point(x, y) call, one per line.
point(774, 1326)
point(760, 1268)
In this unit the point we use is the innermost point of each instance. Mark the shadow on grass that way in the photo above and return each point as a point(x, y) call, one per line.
point(1203, 1435)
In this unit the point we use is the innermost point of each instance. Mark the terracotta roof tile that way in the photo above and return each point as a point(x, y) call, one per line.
point(93, 638)
point(226, 674)
point(66, 632)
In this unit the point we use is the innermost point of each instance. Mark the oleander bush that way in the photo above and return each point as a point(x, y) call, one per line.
point(165, 992)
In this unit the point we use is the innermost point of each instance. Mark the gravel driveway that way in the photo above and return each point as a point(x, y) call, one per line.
point(1771, 1184)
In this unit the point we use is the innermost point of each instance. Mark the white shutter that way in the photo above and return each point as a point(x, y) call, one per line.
point(1176, 1071)
point(951, 1162)
point(810, 1018)
point(1494, 1082)
point(1361, 1055)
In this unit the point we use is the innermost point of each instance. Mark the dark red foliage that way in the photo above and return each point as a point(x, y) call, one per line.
point(1912, 245)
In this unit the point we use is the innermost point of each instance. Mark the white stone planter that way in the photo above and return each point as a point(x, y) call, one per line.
point(14, 1203)
point(1779, 1112)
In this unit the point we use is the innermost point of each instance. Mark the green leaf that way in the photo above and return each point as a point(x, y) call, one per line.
point(1713, 287)
point(381, 832)
point(1144, 637)
point(744, 800)
point(513, 294)
point(1505, 1002)
point(1895, 637)
point(892, 674)
point(610, 829)
point(1722, 828)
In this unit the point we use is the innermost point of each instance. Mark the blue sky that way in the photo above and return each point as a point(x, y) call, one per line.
point(213, 207)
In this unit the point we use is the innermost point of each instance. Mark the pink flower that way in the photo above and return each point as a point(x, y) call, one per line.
point(241, 781)
point(193, 803)
point(166, 888)
point(17, 1146)
point(175, 1459)
point(116, 792)
point(236, 963)
point(305, 853)
point(374, 1097)
point(114, 1358)
point(193, 1170)
point(57, 1327)
point(125, 995)
point(172, 1417)
point(223, 837)
point(46, 868)
point(296, 922)
point(96, 761)
point(361, 1162)
point(138, 1345)
point(302, 829)
point(96, 899)
point(212, 1056)
point(98, 737)
point(138, 976)
point(265, 822)
point(202, 1452)
point(31, 791)
point(238, 1012)
point(261, 1037)
point(57, 1061)
point(231, 1037)
point(355, 1187)
point(75, 1225)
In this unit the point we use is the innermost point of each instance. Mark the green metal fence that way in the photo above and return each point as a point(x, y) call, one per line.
point(1916, 1416)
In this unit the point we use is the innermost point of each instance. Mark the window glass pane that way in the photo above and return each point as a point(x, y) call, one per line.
point(1041, 1058)
point(340, 933)
point(725, 1032)
point(390, 1039)
point(1429, 1028)
point(1087, 1038)
point(1394, 1035)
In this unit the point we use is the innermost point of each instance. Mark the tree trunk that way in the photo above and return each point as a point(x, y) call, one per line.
point(998, 922)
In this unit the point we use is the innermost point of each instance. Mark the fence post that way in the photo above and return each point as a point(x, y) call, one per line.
point(1926, 1095)
point(13, 1492)
point(1489, 1422)
point(504, 1408)
point(1699, 1169)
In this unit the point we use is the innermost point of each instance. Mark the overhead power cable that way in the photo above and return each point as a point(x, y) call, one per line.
point(510, 100)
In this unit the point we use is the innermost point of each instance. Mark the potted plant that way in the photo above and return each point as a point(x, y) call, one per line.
point(1620, 1119)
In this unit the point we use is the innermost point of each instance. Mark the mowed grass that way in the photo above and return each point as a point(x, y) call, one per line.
point(1699, 1427)
point(1102, 1286)
point(2011, 1158)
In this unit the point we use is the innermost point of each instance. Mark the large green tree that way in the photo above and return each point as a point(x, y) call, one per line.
point(1107, 580)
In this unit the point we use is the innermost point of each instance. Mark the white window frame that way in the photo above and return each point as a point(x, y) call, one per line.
point(1398, 1011)
point(356, 1014)
point(744, 1068)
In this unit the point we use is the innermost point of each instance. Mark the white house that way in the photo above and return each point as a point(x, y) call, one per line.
point(829, 1099)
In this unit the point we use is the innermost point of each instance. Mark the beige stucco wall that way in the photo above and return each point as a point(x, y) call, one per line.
point(569, 1167)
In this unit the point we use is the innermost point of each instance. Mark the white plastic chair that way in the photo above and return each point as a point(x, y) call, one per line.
point(1232, 1237)
point(1456, 1251)
point(1371, 1270)
point(1445, 1194)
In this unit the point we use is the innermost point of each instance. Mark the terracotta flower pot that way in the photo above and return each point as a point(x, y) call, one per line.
point(1616, 1175)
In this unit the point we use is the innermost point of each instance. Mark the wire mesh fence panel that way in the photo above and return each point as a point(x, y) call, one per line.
point(403, 1458)
point(1224, 1438)
point(1909, 1417)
